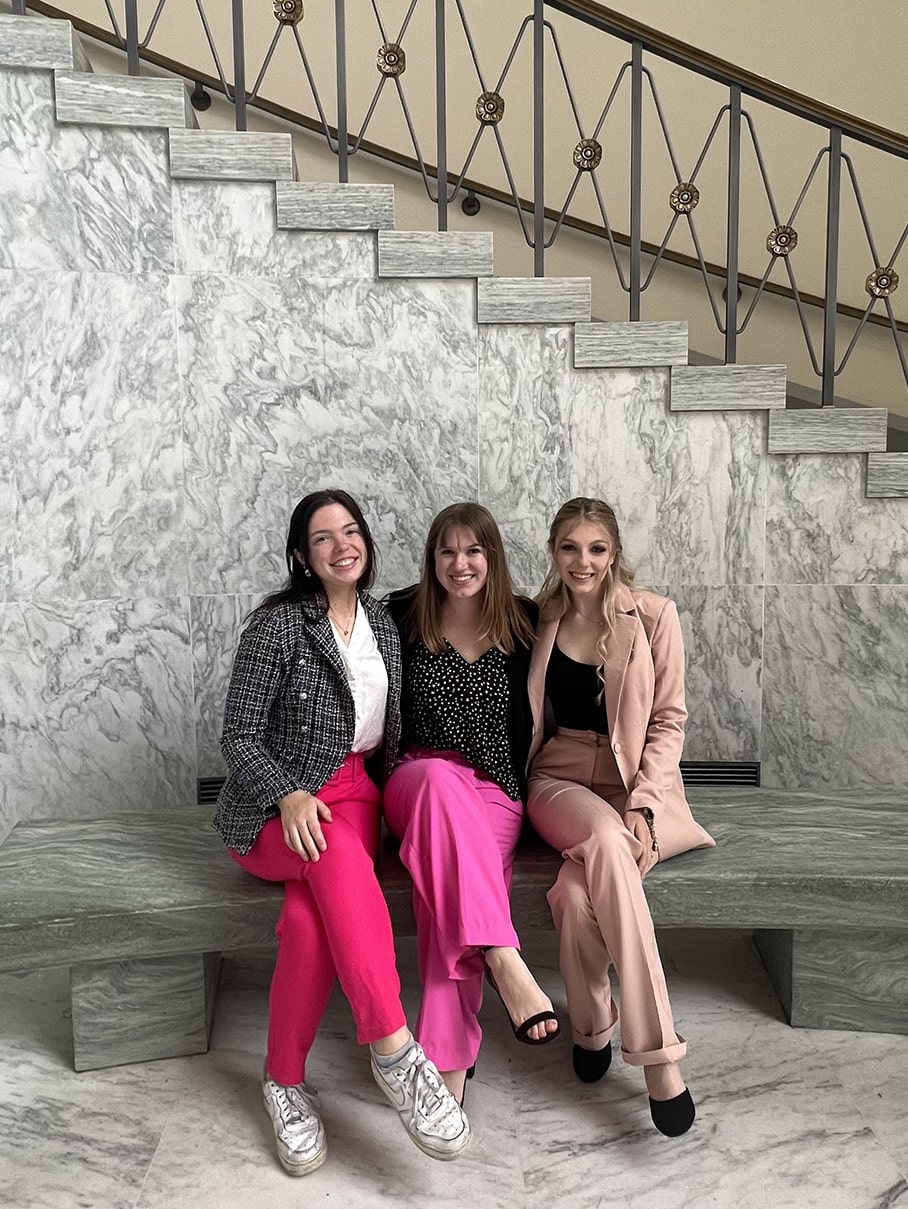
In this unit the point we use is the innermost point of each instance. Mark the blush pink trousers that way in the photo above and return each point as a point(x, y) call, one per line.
point(334, 923)
point(458, 831)
point(576, 799)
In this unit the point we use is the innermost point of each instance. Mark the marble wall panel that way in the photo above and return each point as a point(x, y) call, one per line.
point(95, 708)
point(230, 227)
point(398, 426)
point(217, 622)
point(79, 197)
point(723, 648)
point(91, 464)
point(835, 687)
point(821, 528)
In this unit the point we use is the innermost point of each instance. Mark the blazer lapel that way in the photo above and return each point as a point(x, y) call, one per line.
point(620, 647)
point(323, 637)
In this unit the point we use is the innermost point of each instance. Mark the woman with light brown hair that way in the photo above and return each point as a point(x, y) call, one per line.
point(606, 791)
point(456, 799)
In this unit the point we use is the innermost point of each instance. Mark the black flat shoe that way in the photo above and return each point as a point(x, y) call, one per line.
point(591, 1064)
point(520, 1031)
point(673, 1117)
point(471, 1071)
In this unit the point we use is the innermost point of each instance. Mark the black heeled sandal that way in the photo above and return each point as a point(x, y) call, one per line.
point(675, 1116)
point(520, 1031)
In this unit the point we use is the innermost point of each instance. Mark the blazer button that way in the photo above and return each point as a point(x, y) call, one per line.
point(616, 748)
point(303, 696)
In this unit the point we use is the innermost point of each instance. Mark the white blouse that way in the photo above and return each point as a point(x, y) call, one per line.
point(368, 679)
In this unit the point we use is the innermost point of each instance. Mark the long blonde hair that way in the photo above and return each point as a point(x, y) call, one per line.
point(502, 621)
point(554, 597)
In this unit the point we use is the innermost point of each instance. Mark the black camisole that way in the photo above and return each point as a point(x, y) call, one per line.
point(572, 689)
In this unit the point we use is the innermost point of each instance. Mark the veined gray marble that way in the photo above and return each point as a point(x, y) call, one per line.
point(330, 207)
point(40, 42)
point(887, 474)
point(723, 647)
point(820, 527)
point(136, 1011)
point(217, 622)
point(92, 461)
point(229, 228)
point(79, 197)
point(435, 254)
point(835, 687)
point(121, 100)
point(829, 430)
point(626, 345)
point(96, 704)
point(398, 423)
point(533, 300)
point(251, 352)
point(728, 387)
point(231, 155)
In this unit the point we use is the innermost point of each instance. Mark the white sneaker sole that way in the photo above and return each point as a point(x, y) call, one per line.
point(288, 1164)
point(442, 1155)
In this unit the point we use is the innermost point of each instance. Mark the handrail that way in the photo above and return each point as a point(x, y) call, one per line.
point(491, 192)
point(728, 73)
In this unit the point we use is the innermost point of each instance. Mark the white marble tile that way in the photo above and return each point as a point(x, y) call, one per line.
point(723, 647)
point(230, 227)
point(217, 622)
point(835, 687)
point(688, 489)
point(398, 424)
point(96, 705)
point(92, 460)
point(79, 197)
point(821, 528)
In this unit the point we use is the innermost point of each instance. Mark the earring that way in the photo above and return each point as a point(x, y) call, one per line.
point(307, 572)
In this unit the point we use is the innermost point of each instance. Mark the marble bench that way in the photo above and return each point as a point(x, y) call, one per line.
point(140, 910)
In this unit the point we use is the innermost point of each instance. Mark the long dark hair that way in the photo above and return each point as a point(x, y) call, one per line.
point(301, 584)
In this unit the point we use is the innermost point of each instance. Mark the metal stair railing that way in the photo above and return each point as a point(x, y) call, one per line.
point(635, 260)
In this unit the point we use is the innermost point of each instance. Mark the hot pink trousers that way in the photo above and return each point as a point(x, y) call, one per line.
point(334, 923)
point(458, 831)
point(575, 802)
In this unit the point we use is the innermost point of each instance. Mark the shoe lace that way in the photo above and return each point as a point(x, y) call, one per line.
point(295, 1107)
point(429, 1099)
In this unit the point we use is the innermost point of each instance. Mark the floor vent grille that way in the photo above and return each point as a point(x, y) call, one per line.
point(702, 773)
point(208, 789)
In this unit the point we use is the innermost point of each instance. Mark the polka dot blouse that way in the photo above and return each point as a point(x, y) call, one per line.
point(452, 705)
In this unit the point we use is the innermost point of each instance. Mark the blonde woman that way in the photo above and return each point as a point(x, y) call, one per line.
point(606, 790)
point(456, 799)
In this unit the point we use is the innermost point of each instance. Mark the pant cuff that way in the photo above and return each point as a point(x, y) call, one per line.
point(654, 1057)
point(593, 1041)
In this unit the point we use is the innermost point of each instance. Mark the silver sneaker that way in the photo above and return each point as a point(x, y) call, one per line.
point(298, 1129)
point(428, 1111)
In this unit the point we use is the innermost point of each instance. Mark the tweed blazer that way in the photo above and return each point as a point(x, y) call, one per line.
point(644, 701)
point(289, 719)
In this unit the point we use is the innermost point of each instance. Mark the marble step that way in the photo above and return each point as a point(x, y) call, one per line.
point(231, 156)
point(887, 475)
point(40, 42)
point(533, 300)
point(327, 207)
point(828, 430)
point(434, 254)
point(728, 387)
point(629, 345)
point(121, 100)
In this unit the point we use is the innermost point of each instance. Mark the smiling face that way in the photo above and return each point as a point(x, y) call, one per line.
point(336, 550)
point(583, 554)
point(461, 566)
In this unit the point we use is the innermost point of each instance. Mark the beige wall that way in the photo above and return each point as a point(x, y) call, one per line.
point(845, 56)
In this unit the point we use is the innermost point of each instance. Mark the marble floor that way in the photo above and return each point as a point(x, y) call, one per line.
point(787, 1118)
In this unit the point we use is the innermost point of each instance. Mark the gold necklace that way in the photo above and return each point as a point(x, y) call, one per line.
point(345, 630)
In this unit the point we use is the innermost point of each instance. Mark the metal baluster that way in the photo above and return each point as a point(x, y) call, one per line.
point(132, 37)
point(538, 140)
point(833, 205)
point(340, 52)
point(732, 232)
point(441, 130)
point(636, 232)
point(239, 66)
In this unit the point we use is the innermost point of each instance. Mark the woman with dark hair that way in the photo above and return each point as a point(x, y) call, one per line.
point(606, 791)
point(315, 691)
point(456, 798)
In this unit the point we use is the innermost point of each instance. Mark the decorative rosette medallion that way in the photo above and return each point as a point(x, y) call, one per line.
point(288, 12)
point(587, 155)
point(490, 108)
point(391, 59)
point(781, 241)
point(882, 282)
point(685, 197)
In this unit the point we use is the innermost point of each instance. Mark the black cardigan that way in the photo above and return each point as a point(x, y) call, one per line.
point(520, 717)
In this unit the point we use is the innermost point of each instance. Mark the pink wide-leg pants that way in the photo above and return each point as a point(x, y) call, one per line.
point(458, 831)
point(576, 797)
point(334, 923)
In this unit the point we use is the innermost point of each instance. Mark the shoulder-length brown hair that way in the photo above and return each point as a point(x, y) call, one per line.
point(502, 621)
point(554, 597)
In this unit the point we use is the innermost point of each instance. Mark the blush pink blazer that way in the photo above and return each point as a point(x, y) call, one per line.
point(644, 698)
